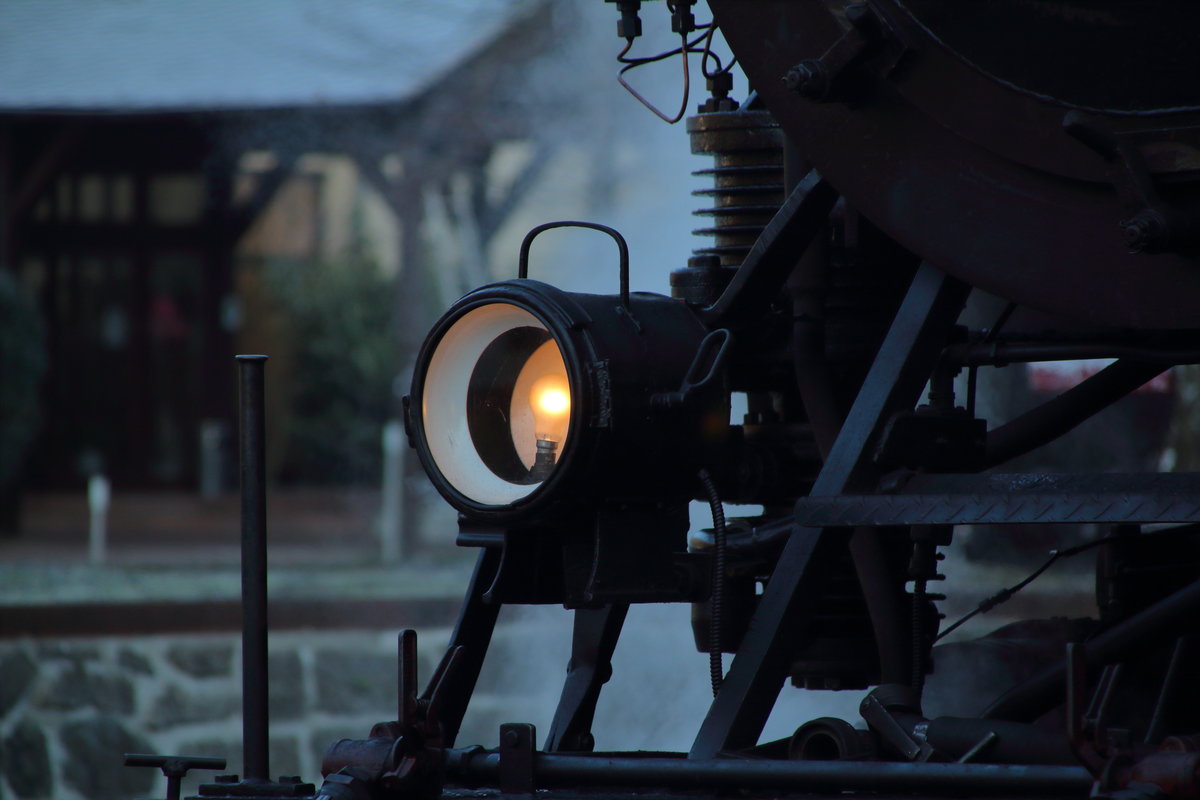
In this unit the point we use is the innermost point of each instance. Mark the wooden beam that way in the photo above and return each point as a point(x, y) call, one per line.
point(269, 184)
point(387, 189)
point(46, 167)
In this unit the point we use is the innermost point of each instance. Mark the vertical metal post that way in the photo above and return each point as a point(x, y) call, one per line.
point(252, 460)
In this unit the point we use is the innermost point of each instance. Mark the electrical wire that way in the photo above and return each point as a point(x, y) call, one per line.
point(687, 88)
point(1004, 595)
point(685, 48)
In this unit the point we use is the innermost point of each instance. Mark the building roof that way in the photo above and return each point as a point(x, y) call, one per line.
point(142, 56)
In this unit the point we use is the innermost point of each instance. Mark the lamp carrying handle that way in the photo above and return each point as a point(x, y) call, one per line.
point(622, 247)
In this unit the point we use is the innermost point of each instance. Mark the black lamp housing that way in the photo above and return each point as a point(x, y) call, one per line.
point(631, 434)
point(597, 511)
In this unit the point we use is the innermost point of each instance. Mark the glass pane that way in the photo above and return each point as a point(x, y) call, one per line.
point(122, 198)
point(91, 198)
point(176, 199)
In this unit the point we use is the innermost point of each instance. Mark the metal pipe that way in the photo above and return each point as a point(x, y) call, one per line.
point(1055, 417)
point(1168, 617)
point(252, 461)
point(883, 594)
point(476, 767)
point(808, 285)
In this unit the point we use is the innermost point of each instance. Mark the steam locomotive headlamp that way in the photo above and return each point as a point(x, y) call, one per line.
point(527, 399)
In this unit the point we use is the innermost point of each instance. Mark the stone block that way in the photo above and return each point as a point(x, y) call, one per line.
point(68, 651)
point(352, 682)
point(285, 687)
point(17, 672)
point(133, 661)
point(77, 687)
point(93, 765)
point(26, 762)
point(65, 691)
point(178, 707)
point(202, 660)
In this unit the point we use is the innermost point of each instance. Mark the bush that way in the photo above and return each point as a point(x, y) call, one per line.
point(22, 365)
point(340, 320)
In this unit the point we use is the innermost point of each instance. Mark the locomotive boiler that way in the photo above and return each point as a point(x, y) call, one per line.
point(894, 161)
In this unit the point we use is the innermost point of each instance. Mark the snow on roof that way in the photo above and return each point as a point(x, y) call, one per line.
point(179, 55)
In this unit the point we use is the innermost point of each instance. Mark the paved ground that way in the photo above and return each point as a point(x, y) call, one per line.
point(178, 546)
point(166, 527)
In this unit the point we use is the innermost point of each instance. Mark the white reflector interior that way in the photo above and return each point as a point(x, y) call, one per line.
point(444, 404)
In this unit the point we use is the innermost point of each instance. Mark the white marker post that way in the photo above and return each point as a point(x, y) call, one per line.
point(391, 511)
point(98, 494)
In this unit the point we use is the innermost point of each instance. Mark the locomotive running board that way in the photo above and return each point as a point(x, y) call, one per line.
point(1014, 499)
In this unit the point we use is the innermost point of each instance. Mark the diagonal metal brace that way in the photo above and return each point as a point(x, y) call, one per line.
point(774, 254)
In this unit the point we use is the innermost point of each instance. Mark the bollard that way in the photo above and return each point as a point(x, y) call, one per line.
point(212, 455)
point(98, 495)
point(391, 511)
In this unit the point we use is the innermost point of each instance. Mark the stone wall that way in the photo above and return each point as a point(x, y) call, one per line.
point(70, 708)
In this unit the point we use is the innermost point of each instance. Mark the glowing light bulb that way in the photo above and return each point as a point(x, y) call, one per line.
point(553, 401)
point(550, 401)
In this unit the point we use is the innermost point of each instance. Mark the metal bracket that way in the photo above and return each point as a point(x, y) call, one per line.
point(880, 719)
point(516, 758)
point(705, 368)
point(1155, 226)
point(816, 78)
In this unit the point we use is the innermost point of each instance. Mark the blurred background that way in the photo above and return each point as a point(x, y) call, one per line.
point(317, 181)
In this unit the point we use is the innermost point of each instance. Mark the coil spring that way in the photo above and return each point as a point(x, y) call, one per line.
point(747, 174)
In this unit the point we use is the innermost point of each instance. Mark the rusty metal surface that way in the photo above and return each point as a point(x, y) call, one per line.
point(978, 178)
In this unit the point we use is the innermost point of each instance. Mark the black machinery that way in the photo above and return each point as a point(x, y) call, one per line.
point(896, 155)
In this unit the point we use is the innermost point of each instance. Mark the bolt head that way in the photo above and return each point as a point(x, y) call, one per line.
point(809, 79)
point(1145, 232)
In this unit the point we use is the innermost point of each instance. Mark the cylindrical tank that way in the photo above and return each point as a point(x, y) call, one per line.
point(1046, 152)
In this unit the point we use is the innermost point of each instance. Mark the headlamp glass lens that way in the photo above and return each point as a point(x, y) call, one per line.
point(496, 404)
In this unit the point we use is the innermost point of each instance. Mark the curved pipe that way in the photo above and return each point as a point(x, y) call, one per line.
point(1058, 416)
point(1160, 622)
point(807, 286)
